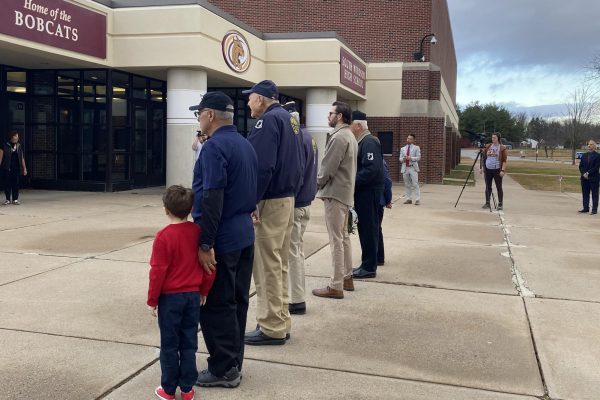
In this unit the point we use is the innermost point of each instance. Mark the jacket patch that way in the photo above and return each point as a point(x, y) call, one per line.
point(259, 124)
point(370, 156)
point(295, 125)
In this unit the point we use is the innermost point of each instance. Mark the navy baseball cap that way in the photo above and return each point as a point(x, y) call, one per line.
point(215, 101)
point(359, 116)
point(265, 88)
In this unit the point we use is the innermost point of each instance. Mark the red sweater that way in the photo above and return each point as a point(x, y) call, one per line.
point(174, 266)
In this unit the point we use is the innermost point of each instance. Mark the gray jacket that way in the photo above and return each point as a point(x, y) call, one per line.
point(338, 168)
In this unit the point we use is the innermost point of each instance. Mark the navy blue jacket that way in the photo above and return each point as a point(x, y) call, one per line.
point(308, 190)
point(590, 162)
point(369, 171)
point(227, 161)
point(386, 196)
point(278, 146)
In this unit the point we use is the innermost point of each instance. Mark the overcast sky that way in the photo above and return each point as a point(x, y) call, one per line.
point(527, 52)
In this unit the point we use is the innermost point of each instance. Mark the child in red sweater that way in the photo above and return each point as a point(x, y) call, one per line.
point(178, 286)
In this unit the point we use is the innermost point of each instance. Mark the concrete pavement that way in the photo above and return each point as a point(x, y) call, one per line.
point(469, 305)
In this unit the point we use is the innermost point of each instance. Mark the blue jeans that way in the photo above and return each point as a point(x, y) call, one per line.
point(178, 322)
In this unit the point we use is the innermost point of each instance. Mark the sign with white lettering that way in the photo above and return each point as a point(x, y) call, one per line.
point(55, 23)
point(353, 73)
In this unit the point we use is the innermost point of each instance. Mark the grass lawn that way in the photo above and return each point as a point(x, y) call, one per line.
point(530, 153)
point(536, 176)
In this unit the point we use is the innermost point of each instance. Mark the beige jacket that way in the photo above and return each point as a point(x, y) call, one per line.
point(338, 168)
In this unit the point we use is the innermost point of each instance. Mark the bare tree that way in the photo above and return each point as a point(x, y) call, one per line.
point(581, 106)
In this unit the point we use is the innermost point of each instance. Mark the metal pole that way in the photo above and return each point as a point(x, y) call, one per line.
point(468, 176)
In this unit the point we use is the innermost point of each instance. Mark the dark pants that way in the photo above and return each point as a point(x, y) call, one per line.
point(223, 317)
point(366, 205)
point(11, 184)
point(495, 175)
point(178, 323)
point(588, 186)
point(380, 249)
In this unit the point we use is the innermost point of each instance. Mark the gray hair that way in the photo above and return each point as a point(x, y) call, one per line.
point(362, 123)
point(226, 116)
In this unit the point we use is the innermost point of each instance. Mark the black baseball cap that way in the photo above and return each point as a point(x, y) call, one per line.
point(359, 115)
point(265, 88)
point(215, 101)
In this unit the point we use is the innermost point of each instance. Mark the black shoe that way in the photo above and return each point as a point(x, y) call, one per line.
point(297, 308)
point(594, 213)
point(380, 263)
point(584, 211)
point(361, 273)
point(258, 338)
point(499, 206)
point(231, 379)
point(486, 205)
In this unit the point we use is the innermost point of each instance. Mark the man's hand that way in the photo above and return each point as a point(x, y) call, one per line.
point(24, 171)
point(207, 260)
point(586, 175)
point(255, 217)
point(388, 205)
point(408, 158)
point(481, 170)
point(202, 300)
point(152, 310)
point(502, 173)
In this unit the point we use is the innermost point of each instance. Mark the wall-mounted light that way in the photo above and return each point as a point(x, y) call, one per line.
point(419, 55)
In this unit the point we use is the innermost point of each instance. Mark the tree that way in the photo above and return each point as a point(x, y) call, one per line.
point(581, 106)
point(476, 118)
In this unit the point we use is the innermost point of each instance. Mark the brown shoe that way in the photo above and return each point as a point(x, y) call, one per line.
point(408, 202)
point(328, 293)
point(349, 284)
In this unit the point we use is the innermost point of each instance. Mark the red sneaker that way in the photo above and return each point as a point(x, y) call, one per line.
point(162, 395)
point(188, 396)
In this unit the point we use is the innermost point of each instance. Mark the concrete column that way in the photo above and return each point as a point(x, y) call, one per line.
point(318, 103)
point(184, 88)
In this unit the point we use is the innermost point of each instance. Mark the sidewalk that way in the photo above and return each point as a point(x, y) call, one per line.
point(469, 305)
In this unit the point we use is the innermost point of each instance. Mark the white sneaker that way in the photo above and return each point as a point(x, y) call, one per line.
point(7, 202)
point(16, 202)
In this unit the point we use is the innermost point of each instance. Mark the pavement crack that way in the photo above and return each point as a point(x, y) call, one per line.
point(517, 277)
point(129, 378)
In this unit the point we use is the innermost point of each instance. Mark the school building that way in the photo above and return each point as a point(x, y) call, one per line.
point(99, 90)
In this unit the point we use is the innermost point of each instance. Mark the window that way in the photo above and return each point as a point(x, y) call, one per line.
point(387, 142)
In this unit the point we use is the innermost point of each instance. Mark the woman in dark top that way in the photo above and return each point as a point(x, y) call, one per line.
point(12, 165)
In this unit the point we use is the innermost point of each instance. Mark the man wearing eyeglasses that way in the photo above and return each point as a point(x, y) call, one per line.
point(335, 183)
point(224, 175)
point(277, 140)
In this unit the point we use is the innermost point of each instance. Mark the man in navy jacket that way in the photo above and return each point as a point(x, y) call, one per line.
point(367, 193)
point(590, 178)
point(277, 140)
point(304, 197)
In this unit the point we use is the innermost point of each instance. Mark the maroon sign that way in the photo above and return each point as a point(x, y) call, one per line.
point(353, 73)
point(55, 23)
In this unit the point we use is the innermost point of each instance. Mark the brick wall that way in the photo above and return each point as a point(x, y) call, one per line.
point(443, 53)
point(430, 137)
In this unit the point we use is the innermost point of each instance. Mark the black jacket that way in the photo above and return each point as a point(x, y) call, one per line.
point(5, 165)
point(369, 169)
point(590, 162)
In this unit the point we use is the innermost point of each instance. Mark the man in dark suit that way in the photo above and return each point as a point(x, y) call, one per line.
point(590, 178)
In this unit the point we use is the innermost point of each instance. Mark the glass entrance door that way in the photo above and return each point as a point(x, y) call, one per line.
point(140, 144)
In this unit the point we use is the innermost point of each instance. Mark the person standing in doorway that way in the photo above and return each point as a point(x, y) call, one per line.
point(590, 178)
point(224, 183)
point(368, 189)
point(12, 163)
point(303, 200)
point(277, 140)
point(335, 183)
point(493, 163)
point(410, 155)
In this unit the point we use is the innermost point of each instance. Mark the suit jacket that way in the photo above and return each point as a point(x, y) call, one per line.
point(590, 162)
point(415, 153)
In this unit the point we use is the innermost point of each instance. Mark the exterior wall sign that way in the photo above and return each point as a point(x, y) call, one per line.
point(353, 73)
point(236, 51)
point(55, 23)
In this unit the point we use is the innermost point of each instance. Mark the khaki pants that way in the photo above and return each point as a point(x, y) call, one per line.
point(270, 271)
point(336, 218)
point(296, 273)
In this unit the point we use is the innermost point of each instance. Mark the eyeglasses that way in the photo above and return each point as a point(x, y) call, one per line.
point(199, 113)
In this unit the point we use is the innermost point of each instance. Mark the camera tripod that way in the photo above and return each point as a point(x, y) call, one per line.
point(467, 180)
